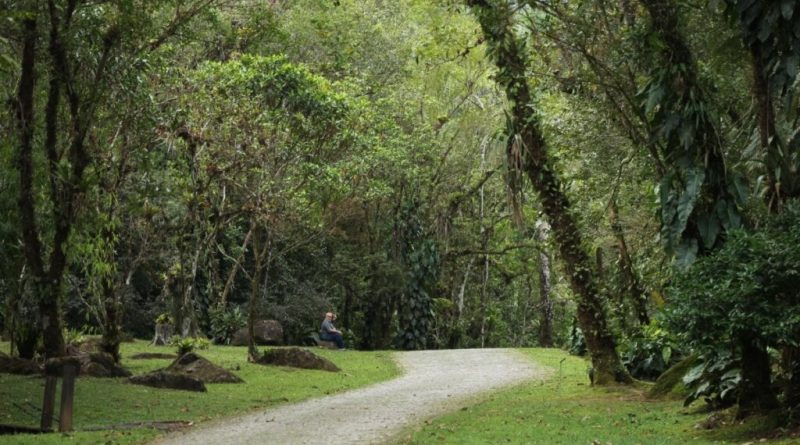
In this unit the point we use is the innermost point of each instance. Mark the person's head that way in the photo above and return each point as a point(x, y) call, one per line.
point(329, 315)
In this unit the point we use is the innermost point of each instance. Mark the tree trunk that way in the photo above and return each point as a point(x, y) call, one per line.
point(111, 331)
point(463, 288)
point(545, 288)
point(260, 269)
point(255, 285)
point(509, 52)
point(47, 286)
point(189, 325)
point(630, 282)
point(484, 247)
point(162, 335)
point(790, 361)
point(755, 390)
point(223, 298)
point(766, 126)
point(775, 165)
point(52, 328)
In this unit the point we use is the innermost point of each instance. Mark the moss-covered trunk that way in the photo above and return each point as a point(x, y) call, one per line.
point(497, 23)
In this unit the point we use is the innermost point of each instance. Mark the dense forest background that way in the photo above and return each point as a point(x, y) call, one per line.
point(611, 176)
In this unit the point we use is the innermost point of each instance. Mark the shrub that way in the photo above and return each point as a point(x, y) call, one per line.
point(650, 351)
point(165, 318)
point(186, 345)
point(225, 323)
point(746, 290)
point(577, 341)
point(716, 379)
point(74, 336)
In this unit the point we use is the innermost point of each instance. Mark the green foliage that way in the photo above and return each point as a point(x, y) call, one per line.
point(773, 26)
point(421, 257)
point(700, 196)
point(224, 324)
point(74, 336)
point(577, 341)
point(747, 289)
point(650, 351)
point(185, 345)
point(165, 318)
point(716, 379)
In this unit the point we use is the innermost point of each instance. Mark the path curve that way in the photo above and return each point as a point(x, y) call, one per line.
point(433, 382)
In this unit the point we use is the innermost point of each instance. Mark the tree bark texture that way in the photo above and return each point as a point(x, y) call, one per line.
point(790, 361)
point(779, 172)
point(497, 24)
point(111, 332)
point(755, 390)
point(545, 288)
point(46, 283)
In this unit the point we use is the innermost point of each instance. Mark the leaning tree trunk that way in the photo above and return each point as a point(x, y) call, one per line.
point(497, 23)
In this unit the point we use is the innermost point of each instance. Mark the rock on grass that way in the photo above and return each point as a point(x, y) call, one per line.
point(297, 358)
point(189, 372)
point(152, 355)
point(196, 366)
point(169, 380)
point(16, 365)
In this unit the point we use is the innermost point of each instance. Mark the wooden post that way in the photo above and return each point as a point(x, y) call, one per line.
point(48, 403)
point(67, 396)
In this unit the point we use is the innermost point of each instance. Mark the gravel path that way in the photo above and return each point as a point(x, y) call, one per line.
point(433, 382)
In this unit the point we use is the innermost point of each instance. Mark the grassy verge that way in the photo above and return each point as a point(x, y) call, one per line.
point(105, 402)
point(564, 409)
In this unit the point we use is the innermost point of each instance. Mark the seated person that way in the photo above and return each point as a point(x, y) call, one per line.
point(328, 332)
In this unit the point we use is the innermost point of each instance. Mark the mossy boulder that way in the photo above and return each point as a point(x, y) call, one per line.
point(670, 383)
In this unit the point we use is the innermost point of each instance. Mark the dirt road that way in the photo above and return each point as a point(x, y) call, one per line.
point(433, 382)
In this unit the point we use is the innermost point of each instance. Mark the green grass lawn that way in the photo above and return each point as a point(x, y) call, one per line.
point(105, 402)
point(564, 409)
